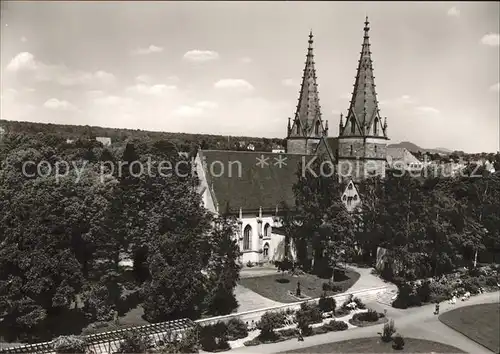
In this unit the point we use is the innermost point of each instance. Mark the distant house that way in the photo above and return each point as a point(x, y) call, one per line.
point(402, 159)
point(104, 140)
point(70, 141)
point(2, 132)
point(251, 147)
point(278, 151)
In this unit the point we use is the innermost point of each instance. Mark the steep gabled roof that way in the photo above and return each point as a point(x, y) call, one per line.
point(308, 113)
point(328, 146)
point(238, 179)
point(363, 112)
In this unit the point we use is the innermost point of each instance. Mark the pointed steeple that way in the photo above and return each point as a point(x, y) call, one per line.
point(307, 121)
point(363, 110)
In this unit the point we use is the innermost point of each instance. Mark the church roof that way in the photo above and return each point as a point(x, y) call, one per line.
point(259, 185)
point(363, 111)
point(308, 111)
point(400, 154)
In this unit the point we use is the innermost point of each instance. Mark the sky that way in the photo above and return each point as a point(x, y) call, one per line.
point(235, 67)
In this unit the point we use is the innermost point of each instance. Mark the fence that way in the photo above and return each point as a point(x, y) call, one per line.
point(108, 342)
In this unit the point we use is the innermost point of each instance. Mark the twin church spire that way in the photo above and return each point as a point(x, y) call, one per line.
point(307, 121)
point(306, 129)
point(363, 117)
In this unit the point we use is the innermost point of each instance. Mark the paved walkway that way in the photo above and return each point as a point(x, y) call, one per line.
point(249, 300)
point(417, 322)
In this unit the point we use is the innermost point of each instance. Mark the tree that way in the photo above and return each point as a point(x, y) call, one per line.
point(223, 269)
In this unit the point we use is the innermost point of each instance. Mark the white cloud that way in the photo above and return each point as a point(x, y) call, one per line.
point(427, 109)
point(234, 84)
point(188, 111)
point(491, 39)
point(22, 61)
point(495, 87)
point(54, 103)
point(144, 79)
point(201, 108)
point(454, 12)
point(199, 56)
point(156, 90)
point(207, 104)
point(24, 39)
point(290, 82)
point(26, 64)
point(399, 101)
point(246, 60)
point(149, 50)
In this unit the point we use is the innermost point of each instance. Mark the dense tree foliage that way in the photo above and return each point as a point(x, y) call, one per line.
point(430, 224)
point(65, 236)
point(183, 141)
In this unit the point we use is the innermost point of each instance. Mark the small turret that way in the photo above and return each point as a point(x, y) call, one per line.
point(341, 123)
point(289, 129)
point(326, 129)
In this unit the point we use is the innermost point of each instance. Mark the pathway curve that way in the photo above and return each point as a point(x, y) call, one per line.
point(418, 323)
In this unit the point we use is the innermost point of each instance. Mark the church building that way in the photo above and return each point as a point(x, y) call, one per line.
point(255, 185)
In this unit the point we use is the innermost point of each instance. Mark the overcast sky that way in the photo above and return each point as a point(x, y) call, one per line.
point(235, 67)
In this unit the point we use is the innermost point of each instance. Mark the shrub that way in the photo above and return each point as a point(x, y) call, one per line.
point(172, 345)
point(269, 322)
point(370, 316)
point(334, 326)
point(236, 329)
point(347, 302)
point(134, 342)
point(406, 298)
point(424, 291)
point(319, 330)
point(359, 303)
point(326, 304)
point(69, 345)
point(388, 331)
point(491, 280)
point(214, 337)
point(326, 287)
point(249, 264)
point(398, 342)
point(308, 314)
point(471, 285)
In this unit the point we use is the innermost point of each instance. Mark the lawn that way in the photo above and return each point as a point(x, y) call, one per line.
point(375, 345)
point(481, 323)
point(273, 287)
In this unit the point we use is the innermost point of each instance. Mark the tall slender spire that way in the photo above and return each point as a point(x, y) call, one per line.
point(308, 113)
point(363, 110)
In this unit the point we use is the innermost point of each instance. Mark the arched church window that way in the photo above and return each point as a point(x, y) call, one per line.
point(351, 150)
point(350, 186)
point(353, 126)
point(375, 148)
point(355, 197)
point(316, 128)
point(267, 230)
point(247, 238)
point(344, 198)
point(266, 250)
point(375, 127)
point(298, 128)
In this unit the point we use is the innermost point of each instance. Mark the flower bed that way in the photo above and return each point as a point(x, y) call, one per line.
point(368, 318)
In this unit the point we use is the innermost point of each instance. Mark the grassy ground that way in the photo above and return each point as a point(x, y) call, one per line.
point(311, 285)
point(375, 345)
point(481, 323)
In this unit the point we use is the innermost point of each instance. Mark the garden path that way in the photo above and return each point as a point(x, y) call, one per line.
point(418, 323)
